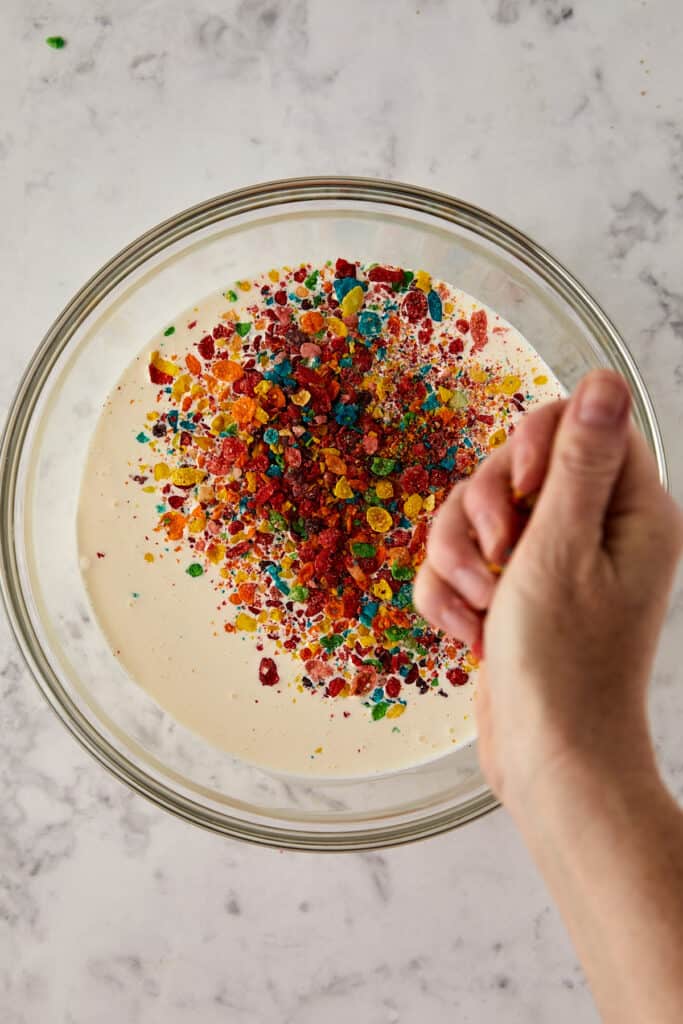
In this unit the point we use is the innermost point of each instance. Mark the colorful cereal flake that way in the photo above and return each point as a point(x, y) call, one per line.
point(298, 453)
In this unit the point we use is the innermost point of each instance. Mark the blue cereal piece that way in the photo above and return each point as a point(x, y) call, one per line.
point(343, 285)
point(369, 324)
point(435, 307)
point(345, 413)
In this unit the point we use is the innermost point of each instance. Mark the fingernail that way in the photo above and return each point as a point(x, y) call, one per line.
point(602, 402)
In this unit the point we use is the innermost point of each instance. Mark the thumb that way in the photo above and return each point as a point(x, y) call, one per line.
point(588, 453)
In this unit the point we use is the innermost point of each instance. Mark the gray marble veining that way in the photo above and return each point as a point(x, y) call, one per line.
point(564, 118)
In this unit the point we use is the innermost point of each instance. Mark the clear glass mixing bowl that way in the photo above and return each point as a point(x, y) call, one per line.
point(56, 409)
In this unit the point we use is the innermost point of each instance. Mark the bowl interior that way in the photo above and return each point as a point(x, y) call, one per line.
point(103, 328)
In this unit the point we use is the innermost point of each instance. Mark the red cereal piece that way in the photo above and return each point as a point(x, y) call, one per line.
point(457, 676)
point(388, 275)
point(479, 329)
point(414, 307)
point(335, 686)
point(344, 269)
point(206, 347)
point(268, 673)
point(157, 376)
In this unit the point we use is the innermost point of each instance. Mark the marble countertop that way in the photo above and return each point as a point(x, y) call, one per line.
point(564, 118)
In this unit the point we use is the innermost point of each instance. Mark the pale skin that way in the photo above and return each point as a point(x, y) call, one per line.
point(568, 633)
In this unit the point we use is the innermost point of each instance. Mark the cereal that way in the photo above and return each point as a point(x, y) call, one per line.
point(298, 454)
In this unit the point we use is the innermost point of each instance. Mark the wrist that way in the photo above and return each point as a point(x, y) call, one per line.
point(579, 786)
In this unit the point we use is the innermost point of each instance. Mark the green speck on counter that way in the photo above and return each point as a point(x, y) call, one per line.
point(169, 331)
point(56, 42)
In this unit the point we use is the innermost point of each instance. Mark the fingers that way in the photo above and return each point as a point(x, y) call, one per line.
point(487, 503)
point(454, 555)
point(587, 457)
point(532, 444)
point(438, 603)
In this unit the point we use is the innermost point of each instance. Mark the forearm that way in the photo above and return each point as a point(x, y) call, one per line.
point(610, 846)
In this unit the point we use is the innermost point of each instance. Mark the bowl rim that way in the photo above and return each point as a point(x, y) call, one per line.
point(222, 208)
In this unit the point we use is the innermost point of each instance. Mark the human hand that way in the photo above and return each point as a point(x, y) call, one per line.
point(569, 629)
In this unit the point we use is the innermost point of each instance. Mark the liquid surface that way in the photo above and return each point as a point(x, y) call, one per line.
point(256, 500)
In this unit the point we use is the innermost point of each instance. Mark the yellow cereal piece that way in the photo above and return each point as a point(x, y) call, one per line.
point(263, 387)
point(448, 308)
point(423, 281)
point(318, 750)
point(510, 384)
point(429, 503)
point(181, 385)
point(251, 480)
point(337, 326)
point(478, 375)
point(412, 506)
point(163, 365)
point(274, 275)
point(149, 557)
point(152, 416)
point(379, 519)
point(342, 488)
point(187, 476)
point(215, 553)
point(382, 590)
point(218, 423)
point(498, 438)
point(261, 415)
point(470, 661)
point(396, 710)
point(365, 640)
point(150, 489)
point(161, 471)
point(384, 489)
point(276, 614)
point(352, 301)
point(445, 395)
point(540, 380)
point(382, 386)
point(458, 400)
point(302, 397)
point(203, 442)
point(244, 286)
point(246, 622)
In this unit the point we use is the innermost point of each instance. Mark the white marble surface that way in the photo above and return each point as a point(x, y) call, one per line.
point(563, 118)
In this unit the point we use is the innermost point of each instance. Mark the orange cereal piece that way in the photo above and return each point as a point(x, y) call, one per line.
point(174, 523)
point(193, 364)
point(244, 410)
point(312, 321)
point(246, 592)
point(227, 370)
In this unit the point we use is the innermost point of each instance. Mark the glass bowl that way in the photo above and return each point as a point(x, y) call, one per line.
point(56, 409)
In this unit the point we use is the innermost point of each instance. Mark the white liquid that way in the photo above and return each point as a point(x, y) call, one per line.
point(167, 628)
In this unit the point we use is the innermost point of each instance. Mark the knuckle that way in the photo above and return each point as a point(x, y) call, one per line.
point(579, 459)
